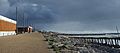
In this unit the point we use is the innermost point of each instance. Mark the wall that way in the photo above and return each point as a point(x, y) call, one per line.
point(7, 26)
point(5, 33)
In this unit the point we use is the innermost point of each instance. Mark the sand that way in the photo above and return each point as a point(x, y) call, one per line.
point(23, 43)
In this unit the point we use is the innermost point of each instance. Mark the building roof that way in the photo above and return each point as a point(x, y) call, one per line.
point(7, 19)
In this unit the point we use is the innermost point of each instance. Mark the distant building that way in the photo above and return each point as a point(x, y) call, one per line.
point(30, 28)
point(23, 29)
point(7, 26)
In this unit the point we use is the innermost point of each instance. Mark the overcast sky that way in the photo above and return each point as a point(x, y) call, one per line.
point(66, 15)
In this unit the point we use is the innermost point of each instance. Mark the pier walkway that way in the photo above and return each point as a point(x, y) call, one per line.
point(23, 43)
point(112, 40)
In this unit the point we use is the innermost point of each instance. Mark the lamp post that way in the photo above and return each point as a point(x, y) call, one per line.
point(16, 19)
point(117, 30)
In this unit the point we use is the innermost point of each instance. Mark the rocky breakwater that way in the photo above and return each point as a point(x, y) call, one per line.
point(63, 44)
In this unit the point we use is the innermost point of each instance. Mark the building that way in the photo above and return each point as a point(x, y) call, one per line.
point(21, 29)
point(7, 26)
point(30, 28)
point(24, 29)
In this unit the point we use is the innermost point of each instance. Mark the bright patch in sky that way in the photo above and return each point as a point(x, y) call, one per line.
point(34, 4)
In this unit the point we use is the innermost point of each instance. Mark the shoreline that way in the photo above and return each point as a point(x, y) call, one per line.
point(67, 45)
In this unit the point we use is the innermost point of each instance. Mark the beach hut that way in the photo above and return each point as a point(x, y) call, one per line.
point(7, 26)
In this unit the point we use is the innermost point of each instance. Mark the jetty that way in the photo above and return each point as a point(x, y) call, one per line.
point(83, 43)
point(107, 39)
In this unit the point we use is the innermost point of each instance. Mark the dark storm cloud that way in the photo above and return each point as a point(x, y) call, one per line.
point(87, 15)
point(34, 13)
point(4, 5)
point(73, 15)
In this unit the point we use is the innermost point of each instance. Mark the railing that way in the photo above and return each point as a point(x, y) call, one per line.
point(107, 40)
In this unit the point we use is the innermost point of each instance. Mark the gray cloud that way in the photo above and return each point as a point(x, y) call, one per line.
point(4, 5)
point(71, 15)
point(90, 15)
point(34, 13)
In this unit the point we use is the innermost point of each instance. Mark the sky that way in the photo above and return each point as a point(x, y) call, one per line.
point(69, 16)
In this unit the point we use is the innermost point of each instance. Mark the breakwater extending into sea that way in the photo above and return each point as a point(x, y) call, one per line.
point(109, 39)
point(83, 44)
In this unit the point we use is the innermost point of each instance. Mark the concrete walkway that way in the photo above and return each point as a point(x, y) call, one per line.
point(24, 43)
